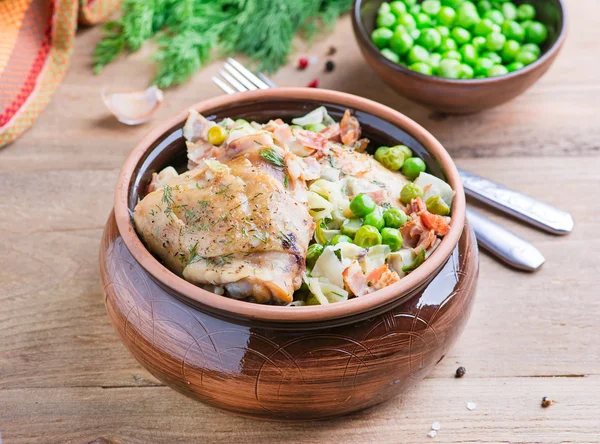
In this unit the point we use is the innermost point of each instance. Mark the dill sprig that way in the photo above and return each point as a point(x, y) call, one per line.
point(189, 32)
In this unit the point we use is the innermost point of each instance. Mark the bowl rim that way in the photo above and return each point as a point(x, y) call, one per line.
point(246, 310)
point(361, 35)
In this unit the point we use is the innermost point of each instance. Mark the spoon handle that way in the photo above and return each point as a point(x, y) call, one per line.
point(523, 207)
point(504, 244)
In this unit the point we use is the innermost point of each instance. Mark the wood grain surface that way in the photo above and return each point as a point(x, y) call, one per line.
point(65, 377)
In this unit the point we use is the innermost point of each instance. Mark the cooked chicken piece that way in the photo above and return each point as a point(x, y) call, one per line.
point(231, 225)
point(366, 175)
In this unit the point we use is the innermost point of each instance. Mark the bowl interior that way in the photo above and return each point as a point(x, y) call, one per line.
point(170, 150)
point(165, 146)
point(549, 12)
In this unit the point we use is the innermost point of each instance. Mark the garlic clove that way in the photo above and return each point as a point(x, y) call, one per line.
point(133, 108)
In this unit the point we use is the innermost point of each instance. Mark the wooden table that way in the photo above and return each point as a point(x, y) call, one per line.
point(65, 377)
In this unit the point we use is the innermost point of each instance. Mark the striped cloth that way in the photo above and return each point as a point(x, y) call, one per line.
point(36, 39)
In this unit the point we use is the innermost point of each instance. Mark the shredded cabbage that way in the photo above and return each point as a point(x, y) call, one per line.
point(319, 207)
point(375, 257)
point(433, 186)
point(318, 115)
point(400, 259)
point(329, 266)
point(216, 166)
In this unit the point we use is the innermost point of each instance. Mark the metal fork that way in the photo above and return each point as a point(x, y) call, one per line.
point(499, 241)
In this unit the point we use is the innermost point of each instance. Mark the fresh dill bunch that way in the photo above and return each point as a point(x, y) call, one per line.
point(189, 32)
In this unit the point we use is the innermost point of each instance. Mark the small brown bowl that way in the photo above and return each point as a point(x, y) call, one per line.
point(459, 96)
point(286, 363)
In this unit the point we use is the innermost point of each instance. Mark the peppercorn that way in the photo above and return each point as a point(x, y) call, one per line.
point(314, 83)
point(329, 66)
point(460, 372)
point(302, 63)
point(546, 402)
point(332, 51)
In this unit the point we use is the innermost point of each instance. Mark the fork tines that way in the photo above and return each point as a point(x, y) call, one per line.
point(236, 77)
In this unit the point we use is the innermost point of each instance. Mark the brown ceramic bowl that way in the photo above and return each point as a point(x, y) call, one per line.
point(459, 96)
point(286, 363)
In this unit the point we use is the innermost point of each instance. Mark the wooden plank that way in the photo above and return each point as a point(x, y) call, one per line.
point(508, 410)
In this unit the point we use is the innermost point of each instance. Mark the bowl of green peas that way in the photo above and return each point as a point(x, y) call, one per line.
point(460, 56)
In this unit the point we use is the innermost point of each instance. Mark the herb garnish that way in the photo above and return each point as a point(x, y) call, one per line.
point(272, 156)
point(188, 32)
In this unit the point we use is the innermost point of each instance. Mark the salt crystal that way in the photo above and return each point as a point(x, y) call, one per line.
point(436, 426)
point(312, 60)
point(471, 405)
point(432, 434)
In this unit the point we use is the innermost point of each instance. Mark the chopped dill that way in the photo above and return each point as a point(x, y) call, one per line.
point(272, 156)
point(189, 33)
point(263, 237)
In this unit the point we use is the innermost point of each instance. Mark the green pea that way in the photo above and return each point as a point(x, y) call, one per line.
point(509, 10)
point(430, 39)
point(513, 31)
point(536, 33)
point(423, 21)
point(408, 21)
point(515, 66)
point(483, 6)
point(466, 72)
point(431, 7)
point(312, 254)
point(379, 152)
point(315, 127)
point(461, 35)
point(497, 70)
point(384, 8)
point(381, 37)
point(415, 34)
point(394, 218)
point(484, 27)
point(510, 50)
point(410, 2)
point(468, 53)
point(525, 12)
point(436, 205)
point(406, 152)
point(350, 226)
point(466, 16)
point(479, 43)
point(444, 31)
point(482, 65)
point(397, 8)
point(362, 204)
point(434, 61)
point(453, 3)
point(446, 16)
point(375, 219)
point(526, 57)
point(448, 44)
point(495, 41)
point(367, 236)
point(390, 55)
point(421, 68)
point(415, 10)
point(495, 16)
point(531, 47)
point(386, 20)
point(340, 238)
point(410, 191)
point(392, 238)
point(401, 42)
point(417, 54)
point(450, 69)
point(392, 158)
point(454, 55)
point(493, 56)
point(412, 167)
